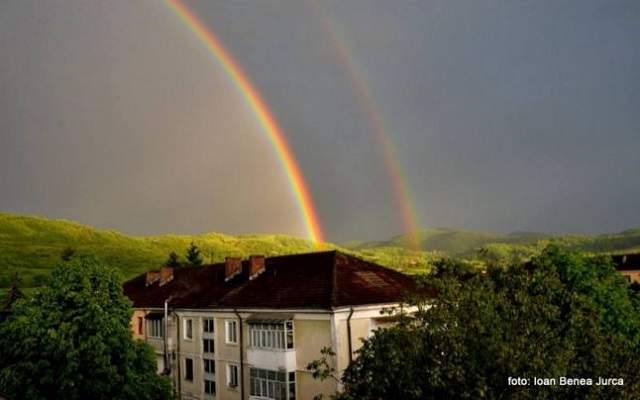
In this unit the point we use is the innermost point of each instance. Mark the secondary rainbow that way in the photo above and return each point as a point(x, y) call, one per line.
point(400, 187)
point(262, 112)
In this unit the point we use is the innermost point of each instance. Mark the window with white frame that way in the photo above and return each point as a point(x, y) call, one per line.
point(155, 327)
point(232, 375)
point(188, 369)
point(209, 368)
point(208, 325)
point(231, 328)
point(188, 329)
point(271, 335)
point(269, 384)
point(209, 387)
point(292, 385)
point(207, 345)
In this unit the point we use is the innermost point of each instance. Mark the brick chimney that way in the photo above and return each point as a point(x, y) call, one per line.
point(232, 267)
point(166, 275)
point(256, 266)
point(152, 277)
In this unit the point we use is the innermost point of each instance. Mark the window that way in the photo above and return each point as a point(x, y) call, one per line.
point(208, 325)
point(231, 334)
point(268, 384)
point(209, 376)
point(232, 375)
point(155, 327)
point(209, 387)
point(289, 326)
point(140, 326)
point(188, 369)
point(209, 366)
point(271, 335)
point(188, 329)
point(207, 345)
point(292, 385)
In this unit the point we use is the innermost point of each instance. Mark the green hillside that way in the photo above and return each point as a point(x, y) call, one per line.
point(469, 243)
point(32, 246)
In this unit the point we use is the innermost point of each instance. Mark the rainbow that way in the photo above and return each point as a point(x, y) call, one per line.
point(382, 136)
point(258, 106)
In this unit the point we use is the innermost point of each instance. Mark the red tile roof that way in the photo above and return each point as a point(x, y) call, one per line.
point(322, 280)
point(627, 262)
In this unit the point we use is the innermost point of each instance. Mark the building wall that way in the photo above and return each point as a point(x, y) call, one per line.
point(142, 334)
point(137, 334)
point(631, 275)
point(312, 332)
point(310, 336)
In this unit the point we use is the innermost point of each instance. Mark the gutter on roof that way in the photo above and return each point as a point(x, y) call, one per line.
point(269, 317)
point(313, 310)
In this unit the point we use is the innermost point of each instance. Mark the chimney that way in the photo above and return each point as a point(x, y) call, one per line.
point(232, 267)
point(256, 266)
point(152, 277)
point(166, 275)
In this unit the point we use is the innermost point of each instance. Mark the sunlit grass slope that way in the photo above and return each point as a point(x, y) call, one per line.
point(31, 246)
point(467, 243)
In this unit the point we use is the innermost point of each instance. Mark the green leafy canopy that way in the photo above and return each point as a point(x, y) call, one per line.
point(72, 340)
point(562, 314)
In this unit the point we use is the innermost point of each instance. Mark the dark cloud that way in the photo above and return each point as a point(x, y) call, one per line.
point(506, 115)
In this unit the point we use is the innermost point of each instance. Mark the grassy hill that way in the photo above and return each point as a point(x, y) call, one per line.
point(467, 243)
point(32, 246)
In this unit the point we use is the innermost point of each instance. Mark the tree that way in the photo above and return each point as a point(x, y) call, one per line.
point(68, 253)
point(173, 260)
point(561, 315)
point(72, 340)
point(193, 255)
point(14, 294)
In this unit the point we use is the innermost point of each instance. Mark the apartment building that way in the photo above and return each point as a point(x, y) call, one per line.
point(247, 329)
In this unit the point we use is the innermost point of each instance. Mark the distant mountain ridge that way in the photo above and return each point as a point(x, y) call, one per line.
point(465, 243)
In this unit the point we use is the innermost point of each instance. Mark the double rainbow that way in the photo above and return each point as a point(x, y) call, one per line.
point(265, 117)
point(396, 175)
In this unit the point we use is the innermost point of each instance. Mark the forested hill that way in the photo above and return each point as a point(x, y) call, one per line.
point(468, 243)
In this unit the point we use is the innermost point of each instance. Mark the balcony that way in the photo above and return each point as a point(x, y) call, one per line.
point(273, 359)
point(271, 341)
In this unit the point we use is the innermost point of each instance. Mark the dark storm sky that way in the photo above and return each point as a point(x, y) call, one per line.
point(506, 115)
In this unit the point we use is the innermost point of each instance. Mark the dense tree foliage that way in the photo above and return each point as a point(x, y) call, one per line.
point(561, 315)
point(193, 255)
point(67, 253)
point(72, 340)
point(173, 260)
point(13, 294)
